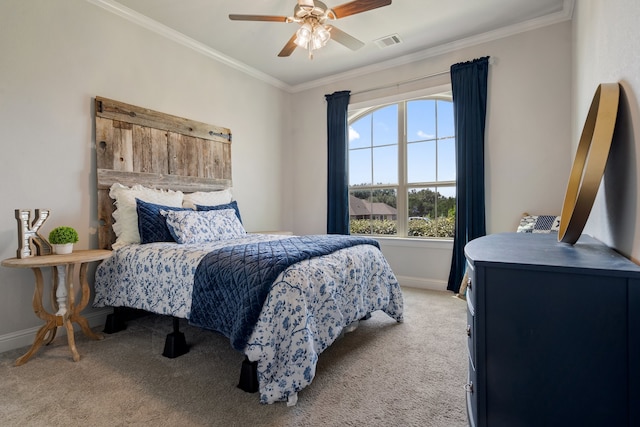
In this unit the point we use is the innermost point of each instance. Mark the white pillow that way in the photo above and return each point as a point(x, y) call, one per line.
point(204, 226)
point(125, 215)
point(206, 198)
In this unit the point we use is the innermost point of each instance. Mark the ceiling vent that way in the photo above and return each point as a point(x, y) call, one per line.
point(388, 41)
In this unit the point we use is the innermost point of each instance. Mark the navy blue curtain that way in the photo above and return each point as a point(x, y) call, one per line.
point(469, 87)
point(338, 163)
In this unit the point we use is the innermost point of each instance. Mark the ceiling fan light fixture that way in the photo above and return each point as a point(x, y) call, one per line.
point(312, 36)
point(314, 32)
point(315, 43)
point(321, 35)
point(304, 35)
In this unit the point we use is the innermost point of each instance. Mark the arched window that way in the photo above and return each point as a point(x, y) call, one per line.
point(402, 169)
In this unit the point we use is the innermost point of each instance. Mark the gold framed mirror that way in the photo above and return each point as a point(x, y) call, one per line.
point(589, 163)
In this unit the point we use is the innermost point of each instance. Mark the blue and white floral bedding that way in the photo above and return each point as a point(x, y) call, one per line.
point(308, 306)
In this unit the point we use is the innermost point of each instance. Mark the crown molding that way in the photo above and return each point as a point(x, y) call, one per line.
point(565, 14)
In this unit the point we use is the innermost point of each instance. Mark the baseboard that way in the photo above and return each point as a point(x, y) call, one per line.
point(26, 337)
point(422, 283)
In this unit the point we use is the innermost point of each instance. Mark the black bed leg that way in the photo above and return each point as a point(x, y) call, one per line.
point(249, 376)
point(175, 344)
point(115, 322)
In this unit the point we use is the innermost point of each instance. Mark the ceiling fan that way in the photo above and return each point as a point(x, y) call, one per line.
point(314, 31)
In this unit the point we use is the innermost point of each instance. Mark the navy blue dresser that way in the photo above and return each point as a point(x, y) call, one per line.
point(553, 333)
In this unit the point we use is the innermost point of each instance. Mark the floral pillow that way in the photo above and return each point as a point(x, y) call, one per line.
point(204, 226)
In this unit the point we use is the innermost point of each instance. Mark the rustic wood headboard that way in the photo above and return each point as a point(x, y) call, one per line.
point(135, 145)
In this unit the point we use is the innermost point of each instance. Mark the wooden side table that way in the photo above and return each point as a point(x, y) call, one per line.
point(62, 295)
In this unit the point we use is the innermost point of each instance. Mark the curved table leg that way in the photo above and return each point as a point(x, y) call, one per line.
point(72, 341)
point(51, 321)
point(74, 315)
point(40, 338)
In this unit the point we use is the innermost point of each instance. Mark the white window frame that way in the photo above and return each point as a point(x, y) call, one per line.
point(360, 109)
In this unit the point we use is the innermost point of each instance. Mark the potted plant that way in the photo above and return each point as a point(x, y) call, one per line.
point(62, 238)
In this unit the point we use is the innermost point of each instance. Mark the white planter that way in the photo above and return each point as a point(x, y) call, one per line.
point(66, 248)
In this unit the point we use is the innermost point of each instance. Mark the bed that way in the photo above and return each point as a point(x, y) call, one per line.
point(166, 209)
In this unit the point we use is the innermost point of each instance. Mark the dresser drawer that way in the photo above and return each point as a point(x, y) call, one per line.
point(471, 397)
point(471, 281)
point(471, 337)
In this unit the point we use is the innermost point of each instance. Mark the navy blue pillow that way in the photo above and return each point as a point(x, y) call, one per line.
point(233, 205)
point(152, 226)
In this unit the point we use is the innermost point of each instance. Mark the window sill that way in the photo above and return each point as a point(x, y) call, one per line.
point(407, 242)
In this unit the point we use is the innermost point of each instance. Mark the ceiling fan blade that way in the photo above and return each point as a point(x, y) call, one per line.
point(344, 38)
point(289, 47)
point(358, 6)
point(235, 17)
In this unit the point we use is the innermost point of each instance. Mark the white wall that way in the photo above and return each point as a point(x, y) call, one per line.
point(55, 57)
point(528, 142)
point(606, 45)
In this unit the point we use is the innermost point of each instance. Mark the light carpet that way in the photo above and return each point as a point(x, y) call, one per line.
point(383, 374)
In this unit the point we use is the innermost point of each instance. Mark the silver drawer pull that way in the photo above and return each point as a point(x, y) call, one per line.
point(468, 387)
point(468, 330)
point(469, 283)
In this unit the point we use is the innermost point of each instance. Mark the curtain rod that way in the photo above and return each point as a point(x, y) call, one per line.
point(404, 82)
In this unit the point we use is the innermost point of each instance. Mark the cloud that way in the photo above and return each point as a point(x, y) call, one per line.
point(424, 135)
point(353, 134)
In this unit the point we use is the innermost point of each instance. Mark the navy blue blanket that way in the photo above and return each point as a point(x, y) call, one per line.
point(231, 283)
